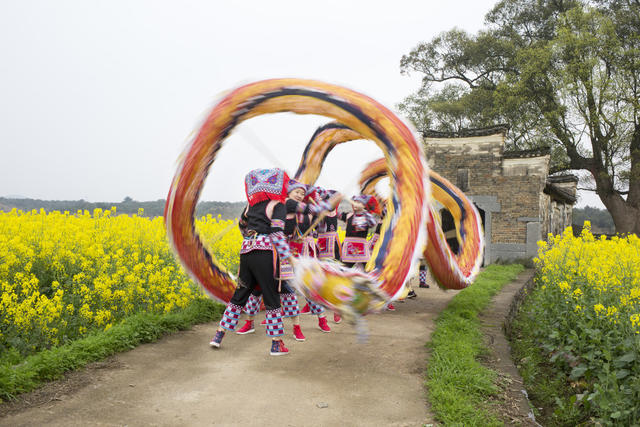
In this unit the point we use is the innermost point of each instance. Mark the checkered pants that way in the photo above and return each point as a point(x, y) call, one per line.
point(289, 304)
point(230, 317)
point(275, 326)
point(423, 276)
point(315, 308)
point(252, 307)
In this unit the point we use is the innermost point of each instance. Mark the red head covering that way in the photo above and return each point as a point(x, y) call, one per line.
point(266, 184)
point(370, 203)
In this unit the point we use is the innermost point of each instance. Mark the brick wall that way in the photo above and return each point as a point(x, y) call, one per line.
point(517, 187)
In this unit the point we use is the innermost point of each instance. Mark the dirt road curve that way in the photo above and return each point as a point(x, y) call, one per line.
point(328, 380)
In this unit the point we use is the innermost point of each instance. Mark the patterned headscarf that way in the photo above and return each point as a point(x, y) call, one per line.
point(370, 203)
point(293, 184)
point(324, 194)
point(362, 198)
point(266, 184)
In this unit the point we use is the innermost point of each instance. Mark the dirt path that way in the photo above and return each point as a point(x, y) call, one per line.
point(513, 404)
point(328, 380)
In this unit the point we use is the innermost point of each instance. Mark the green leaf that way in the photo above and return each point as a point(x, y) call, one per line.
point(577, 372)
point(629, 357)
point(616, 414)
point(621, 374)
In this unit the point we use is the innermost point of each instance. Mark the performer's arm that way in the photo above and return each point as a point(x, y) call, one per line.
point(277, 231)
point(307, 208)
point(365, 220)
point(243, 223)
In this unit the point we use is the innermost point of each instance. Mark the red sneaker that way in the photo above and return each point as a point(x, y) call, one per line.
point(323, 325)
point(390, 307)
point(337, 318)
point(278, 348)
point(264, 322)
point(247, 328)
point(297, 333)
point(305, 310)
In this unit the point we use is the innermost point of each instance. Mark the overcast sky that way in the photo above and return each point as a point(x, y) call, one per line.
point(98, 98)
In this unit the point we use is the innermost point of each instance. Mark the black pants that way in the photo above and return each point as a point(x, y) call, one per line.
point(285, 288)
point(256, 268)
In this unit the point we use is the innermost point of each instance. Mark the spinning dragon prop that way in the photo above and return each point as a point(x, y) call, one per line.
point(405, 229)
point(451, 270)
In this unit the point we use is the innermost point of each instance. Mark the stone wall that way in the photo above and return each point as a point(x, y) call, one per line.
point(507, 187)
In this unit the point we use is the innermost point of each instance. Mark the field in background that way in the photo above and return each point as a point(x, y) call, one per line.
point(64, 276)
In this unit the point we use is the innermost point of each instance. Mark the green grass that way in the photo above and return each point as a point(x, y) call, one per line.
point(132, 331)
point(547, 387)
point(459, 385)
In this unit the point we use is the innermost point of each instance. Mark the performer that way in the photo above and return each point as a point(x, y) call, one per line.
point(288, 301)
point(376, 234)
point(301, 213)
point(423, 274)
point(299, 219)
point(265, 221)
point(328, 240)
point(355, 248)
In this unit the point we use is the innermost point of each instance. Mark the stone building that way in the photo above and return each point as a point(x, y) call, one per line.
point(517, 200)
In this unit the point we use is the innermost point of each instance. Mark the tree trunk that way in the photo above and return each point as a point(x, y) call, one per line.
point(626, 217)
point(625, 213)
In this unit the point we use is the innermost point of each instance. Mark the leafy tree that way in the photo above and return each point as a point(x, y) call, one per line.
point(599, 218)
point(564, 74)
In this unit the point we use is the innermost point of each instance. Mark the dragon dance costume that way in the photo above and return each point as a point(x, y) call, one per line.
point(328, 243)
point(356, 248)
point(265, 221)
point(328, 240)
point(412, 216)
point(288, 298)
point(299, 219)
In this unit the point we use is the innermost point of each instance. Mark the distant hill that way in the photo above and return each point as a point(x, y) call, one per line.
point(227, 210)
point(601, 221)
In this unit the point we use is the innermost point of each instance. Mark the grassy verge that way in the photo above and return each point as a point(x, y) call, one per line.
point(132, 331)
point(459, 386)
point(547, 387)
